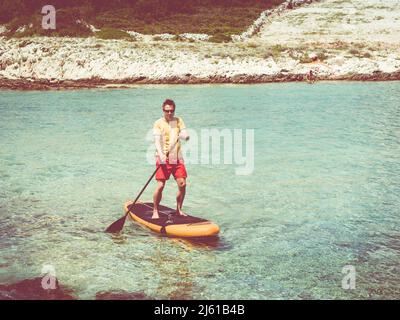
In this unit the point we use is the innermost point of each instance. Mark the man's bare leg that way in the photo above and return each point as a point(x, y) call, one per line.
point(181, 195)
point(157, 196)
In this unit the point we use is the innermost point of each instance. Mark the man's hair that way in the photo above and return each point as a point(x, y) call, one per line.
point(169, 102)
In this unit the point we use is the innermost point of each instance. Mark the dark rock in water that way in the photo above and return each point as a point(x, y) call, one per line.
point(31, 289)
point(375, 76)
point(121, 295)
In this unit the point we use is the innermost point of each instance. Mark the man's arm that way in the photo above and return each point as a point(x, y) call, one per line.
point(157, 142)
point(183, 134)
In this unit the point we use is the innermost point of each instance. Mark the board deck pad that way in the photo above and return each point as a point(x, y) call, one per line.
point(168, 216)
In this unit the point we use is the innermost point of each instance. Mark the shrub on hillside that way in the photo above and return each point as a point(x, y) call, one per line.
point(111, 33)
point(220, 37)
point(221, 18)
point(68, 23)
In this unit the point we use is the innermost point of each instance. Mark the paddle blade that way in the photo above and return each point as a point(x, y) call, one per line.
point(117, 225)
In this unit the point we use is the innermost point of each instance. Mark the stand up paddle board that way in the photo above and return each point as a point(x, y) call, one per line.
point(169, 223)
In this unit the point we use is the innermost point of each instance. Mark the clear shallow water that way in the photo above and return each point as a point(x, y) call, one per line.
point(324, 193)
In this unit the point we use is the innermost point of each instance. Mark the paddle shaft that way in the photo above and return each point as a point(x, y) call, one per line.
point(152, 176)
point(119, 224)
point(145, 186)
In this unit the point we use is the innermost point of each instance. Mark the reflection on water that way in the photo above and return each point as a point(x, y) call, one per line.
point(212, 243)
point(118, 238)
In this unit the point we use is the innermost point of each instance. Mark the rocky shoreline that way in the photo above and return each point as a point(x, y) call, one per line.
point(53, 84)
point(357, 42)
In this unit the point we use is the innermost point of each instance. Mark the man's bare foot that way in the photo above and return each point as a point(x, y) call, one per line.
point(181, 213)
point(155, 215)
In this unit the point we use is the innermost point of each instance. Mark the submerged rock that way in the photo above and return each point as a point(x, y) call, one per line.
point(31, 289)
point(121, 295)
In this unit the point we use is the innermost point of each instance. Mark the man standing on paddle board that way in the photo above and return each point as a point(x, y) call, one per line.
point(167, 131)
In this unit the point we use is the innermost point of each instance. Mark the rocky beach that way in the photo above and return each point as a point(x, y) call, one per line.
point(335, 39)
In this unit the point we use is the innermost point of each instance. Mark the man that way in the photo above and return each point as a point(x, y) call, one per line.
point(167, 131)
point(311, 77)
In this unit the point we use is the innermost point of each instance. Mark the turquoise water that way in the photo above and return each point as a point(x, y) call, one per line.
point(324, 193)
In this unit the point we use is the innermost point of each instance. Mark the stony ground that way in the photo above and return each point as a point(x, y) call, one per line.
point(363, 21)
point(337, 39)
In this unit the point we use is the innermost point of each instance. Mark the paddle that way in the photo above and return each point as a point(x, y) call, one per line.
point(119, 224)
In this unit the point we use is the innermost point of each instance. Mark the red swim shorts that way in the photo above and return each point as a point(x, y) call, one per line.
point(178, 170)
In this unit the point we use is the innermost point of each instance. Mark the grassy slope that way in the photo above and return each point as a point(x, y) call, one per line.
point(204, 20)
point(220, 22)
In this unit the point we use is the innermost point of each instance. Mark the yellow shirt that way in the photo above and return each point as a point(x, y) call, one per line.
point(168, 133)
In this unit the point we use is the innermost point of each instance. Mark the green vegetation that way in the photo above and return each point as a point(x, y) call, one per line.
point(336, 17)
point(277, 50)
point(68, 22)
point(341, 2)
point(320, 56)
point(111, 33)
point(218, 18)
point(359, 45)
point(376, 7)
point(305, 58)
point(360, 53)
point(220, 37)
point(354, 52)
point(24, 43)
point(299, 19)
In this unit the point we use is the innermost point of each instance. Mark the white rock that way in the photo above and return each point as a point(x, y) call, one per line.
point(338, 61)
point(313, 56)
point(253, 28)
point(163, 36)
point(93, 28)
point(117, 59)
point(21, 29)
point(3, 29)
point(136, 35)
point(389, 65)
point(195, 36)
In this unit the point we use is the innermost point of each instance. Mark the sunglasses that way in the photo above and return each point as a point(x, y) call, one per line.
point(169, 111)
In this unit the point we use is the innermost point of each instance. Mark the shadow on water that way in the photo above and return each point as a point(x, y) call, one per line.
point(119, 238)
point(212, 243)
point(32, 289)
